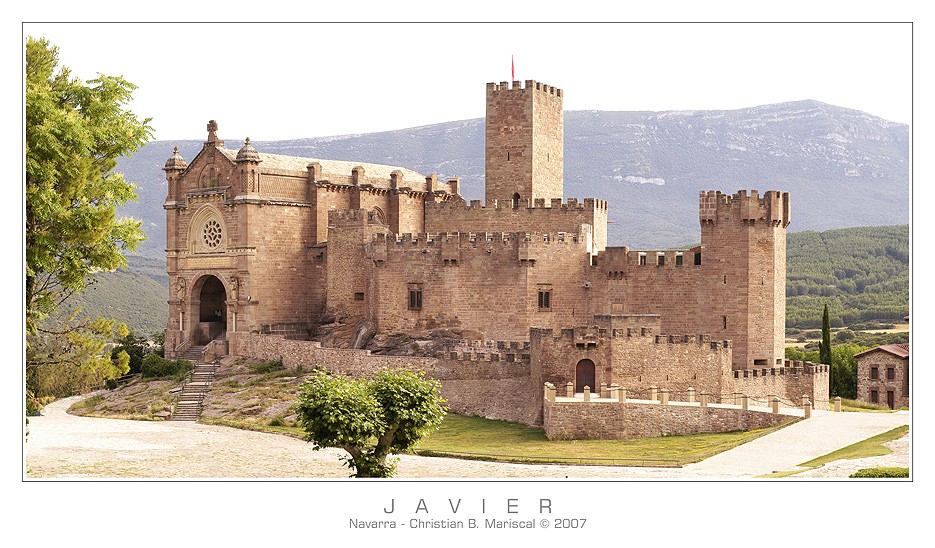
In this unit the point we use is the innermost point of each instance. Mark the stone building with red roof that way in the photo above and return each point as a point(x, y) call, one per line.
point(883, 375)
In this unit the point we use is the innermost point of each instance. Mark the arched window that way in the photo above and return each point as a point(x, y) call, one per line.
point(515, 200)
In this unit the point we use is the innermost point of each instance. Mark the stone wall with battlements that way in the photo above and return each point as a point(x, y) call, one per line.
point(789, 382)
point(495, 385)
point(494, 285)
point(538, 215)
point(636, 358)
point(732, 286)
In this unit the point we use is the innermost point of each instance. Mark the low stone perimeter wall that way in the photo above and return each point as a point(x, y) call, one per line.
point(499, 390)
point(614, 420)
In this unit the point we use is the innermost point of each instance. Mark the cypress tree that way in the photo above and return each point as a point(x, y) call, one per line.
point(824, 350)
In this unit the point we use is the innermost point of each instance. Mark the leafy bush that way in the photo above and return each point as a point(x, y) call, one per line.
point(881, 472)
point(369, 418)
point(268, 366)
point(155, 366)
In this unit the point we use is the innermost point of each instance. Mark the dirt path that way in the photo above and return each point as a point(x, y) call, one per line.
point(66, 446)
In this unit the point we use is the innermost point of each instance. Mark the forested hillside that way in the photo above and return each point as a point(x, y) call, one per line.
point(136, 297)
point(862, 273)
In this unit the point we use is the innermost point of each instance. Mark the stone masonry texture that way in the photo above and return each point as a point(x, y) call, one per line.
point(263, 249)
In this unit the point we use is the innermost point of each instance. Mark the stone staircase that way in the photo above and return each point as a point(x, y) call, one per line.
point(193, 354)
point(188, 408)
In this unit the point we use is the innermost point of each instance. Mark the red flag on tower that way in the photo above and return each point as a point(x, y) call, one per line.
point(512, 69)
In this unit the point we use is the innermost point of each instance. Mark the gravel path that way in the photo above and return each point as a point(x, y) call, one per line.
point(66, 446)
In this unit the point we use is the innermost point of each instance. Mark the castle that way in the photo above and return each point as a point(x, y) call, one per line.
point(266, 250)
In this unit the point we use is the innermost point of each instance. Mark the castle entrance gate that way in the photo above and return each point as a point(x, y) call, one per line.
point(584, 375)
point(212, 309)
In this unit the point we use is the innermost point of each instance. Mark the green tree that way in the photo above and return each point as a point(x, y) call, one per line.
point(824, 348)
point(135, 347)
point(74, 134)
point(63, 361)
point(844, 367)
point(369, 418)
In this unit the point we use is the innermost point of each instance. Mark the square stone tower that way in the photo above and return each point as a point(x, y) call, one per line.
point(524, 143)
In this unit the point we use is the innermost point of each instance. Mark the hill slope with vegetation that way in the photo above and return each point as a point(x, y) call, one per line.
point(862, 273)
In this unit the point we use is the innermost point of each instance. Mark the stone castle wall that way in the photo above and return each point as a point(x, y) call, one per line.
point(485, 283)
point(633, 358)
point(789, 383)
point(530, 216)
point(493, 388)
point(736, 293)
point(614, 420)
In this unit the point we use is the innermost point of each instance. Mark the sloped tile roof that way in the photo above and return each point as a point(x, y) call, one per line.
point(899, 350)
point(333, 169)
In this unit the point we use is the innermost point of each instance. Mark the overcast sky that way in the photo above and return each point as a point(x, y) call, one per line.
point(277, 81)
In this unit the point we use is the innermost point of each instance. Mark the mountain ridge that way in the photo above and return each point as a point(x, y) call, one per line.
point(843, 167)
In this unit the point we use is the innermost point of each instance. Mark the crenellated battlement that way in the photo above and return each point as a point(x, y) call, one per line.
point(474, 238)
point(594, 335)
point(772, 208)
point(525, 206)
point(790, 367)
point(531, 85)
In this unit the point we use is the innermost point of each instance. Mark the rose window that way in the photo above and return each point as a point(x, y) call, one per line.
point(212, 234)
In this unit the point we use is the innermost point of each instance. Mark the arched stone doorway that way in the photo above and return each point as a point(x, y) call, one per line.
point(584, 375)
point(211, 309)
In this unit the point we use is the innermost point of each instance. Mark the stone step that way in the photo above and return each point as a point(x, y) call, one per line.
point(188, 406)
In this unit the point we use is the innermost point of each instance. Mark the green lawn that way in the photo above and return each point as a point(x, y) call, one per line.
point(870, 447)
point(484, 439)
point(477, 438)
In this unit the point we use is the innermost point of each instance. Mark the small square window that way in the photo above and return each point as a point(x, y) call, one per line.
point(660, 260)
point(545, 298)
point(415, 297)
point(678, 259)
point(358, 296)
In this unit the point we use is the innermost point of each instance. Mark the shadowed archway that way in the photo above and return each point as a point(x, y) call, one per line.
point(584, 375)
point(212, 309)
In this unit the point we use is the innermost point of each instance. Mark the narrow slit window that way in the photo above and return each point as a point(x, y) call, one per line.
point(545, 298)
point(724, 321)
point(415, 297)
